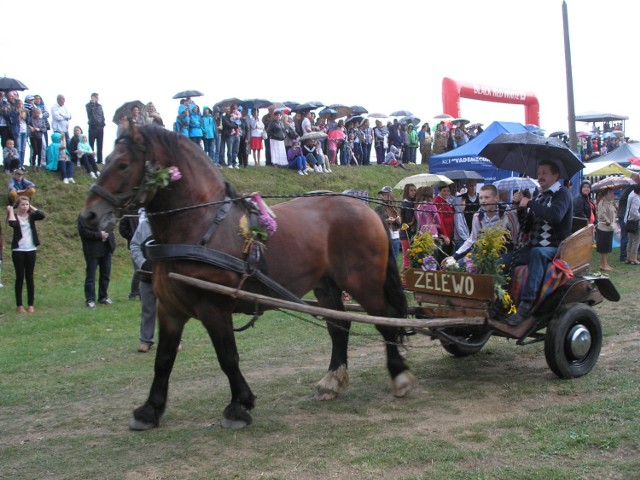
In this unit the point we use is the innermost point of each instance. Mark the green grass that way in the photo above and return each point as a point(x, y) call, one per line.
point(70, 377)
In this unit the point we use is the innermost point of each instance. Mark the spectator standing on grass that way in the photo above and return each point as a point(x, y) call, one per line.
point(22, 216)
point(127, 227)
point(606, 221)
point(95, 117)
point(622, 208)
point(142, 264)
point(97, 247)
point(60, 117)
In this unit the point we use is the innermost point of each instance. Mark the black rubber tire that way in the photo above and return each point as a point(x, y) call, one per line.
point(458, 350)
point(557, 351)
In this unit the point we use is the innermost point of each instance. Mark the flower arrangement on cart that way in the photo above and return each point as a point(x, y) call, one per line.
point(484, 259)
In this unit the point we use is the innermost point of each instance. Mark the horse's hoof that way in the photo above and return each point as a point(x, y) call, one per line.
point(402, 384)
point(332, 384)
point(323, 394)
point(139, 425)
point(233, 424)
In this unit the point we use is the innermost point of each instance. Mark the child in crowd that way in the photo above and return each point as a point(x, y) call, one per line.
point(11, 157)
point(58, 158)
point(349, 154)
point(87, 156)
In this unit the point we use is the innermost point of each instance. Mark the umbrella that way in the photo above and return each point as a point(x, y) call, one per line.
point(443, 116)
point(521, 153)
point(618, 133)
point(601, 168)
point(410, 119)
point(400, 113)
point(463, 175)
point(358, 119)
point(125, 110)
point(424, 180)
point(461, 120)
point(516, 183)
point(227, 102)
point(8, 84)
point(341, 110)
point(306, 107)
point(559, 133)
point(313, 136)
point(377, 115)
point(291, 104)
point(326, 112)
point(609, 135)
point(336, 135)
point(613, 182)
point(585, 134)
point(358, 110)
point(256, 103)
point(474, 125)
point(635, 161)
point(188, 93)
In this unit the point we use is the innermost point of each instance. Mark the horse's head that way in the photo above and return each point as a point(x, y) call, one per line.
point(122, 184)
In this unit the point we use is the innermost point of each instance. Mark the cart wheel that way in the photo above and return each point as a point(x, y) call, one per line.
point(573, 341)
point(467, 342)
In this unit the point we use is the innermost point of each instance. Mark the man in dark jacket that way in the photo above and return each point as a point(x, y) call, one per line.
point(548, 223)
point(98, 247)
point(95, 115)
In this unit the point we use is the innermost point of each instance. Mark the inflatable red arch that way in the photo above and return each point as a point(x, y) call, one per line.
point(453, 90)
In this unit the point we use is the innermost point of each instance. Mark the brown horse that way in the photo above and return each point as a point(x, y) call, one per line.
point(198, 217)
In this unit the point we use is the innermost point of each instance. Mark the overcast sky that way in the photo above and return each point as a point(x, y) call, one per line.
point(386, 57)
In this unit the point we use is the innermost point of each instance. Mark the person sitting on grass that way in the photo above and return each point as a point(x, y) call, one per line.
point(20, 187)
point(296, 158)
point(87, 157)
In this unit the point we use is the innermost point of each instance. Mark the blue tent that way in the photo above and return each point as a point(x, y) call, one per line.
point(466, 157)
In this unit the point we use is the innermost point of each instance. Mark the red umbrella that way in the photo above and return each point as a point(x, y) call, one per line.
point(612, 182)
point(336, 135)
point(635, 161)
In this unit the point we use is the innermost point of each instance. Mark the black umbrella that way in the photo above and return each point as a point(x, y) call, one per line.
point(305, 107)
point(188, 93)
point(227, 102)
point(400, 113)
point(125, 110)
point(8, 84)
point(291, 104)
point(256, 103)
point(358, 110)
point(357, 119)
point(521, 152)
point(559, 133)
point(463, 175)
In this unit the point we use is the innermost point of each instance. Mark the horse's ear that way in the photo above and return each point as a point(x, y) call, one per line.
point(134, 131)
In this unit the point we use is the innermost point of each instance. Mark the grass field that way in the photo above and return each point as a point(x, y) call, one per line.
point(70, 377)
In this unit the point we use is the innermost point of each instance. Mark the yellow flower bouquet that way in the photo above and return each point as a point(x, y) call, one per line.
point(421, 252)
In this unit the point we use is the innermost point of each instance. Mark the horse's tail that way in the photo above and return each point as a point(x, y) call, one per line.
point(393, 291)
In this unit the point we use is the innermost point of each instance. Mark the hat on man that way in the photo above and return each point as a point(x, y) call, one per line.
point(17, 171)
point(28, 98)
point(386, 189)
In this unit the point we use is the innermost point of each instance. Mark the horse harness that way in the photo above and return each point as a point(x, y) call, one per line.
point(252, 266)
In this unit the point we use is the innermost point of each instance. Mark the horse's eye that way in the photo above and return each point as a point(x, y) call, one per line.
point(122, 167)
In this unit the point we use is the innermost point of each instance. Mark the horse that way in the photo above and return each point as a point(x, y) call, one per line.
point(199, 216)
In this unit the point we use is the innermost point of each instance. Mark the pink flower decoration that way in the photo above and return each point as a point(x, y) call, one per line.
point(174, 174)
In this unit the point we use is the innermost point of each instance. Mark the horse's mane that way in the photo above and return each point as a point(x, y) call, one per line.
point(174, 145)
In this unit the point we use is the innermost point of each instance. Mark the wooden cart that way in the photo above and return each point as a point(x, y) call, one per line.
point(455, 308)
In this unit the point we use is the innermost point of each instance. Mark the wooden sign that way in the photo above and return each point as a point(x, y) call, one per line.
point(451, 284)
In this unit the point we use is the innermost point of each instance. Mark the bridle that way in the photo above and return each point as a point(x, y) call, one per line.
point(125, 201)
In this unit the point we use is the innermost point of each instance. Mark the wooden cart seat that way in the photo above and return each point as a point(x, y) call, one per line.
point(577, 249)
